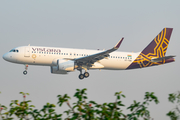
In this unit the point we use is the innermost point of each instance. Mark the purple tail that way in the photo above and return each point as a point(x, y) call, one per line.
point(156, 49)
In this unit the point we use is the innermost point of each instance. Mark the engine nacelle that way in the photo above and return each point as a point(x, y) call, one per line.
point(62, 66)
point(65, 65)
point(55, 70)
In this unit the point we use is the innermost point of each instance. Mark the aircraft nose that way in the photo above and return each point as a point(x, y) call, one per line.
point(5, 57)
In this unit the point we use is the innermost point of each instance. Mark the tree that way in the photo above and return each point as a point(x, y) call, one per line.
point(82, 109)
point(174, 114)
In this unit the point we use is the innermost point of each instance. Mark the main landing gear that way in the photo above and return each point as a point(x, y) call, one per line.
point(25, 71)
point(82, 76)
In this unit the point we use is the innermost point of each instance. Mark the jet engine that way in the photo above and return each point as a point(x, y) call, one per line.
point(63, 66)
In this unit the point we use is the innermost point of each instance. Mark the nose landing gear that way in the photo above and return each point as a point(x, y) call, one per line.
point(26, 67)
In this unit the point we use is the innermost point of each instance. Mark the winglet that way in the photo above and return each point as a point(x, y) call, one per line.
point(118, 44)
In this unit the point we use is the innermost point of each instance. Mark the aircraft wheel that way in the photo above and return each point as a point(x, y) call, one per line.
point(86, 74)
point(81, 76)
point(25, 72)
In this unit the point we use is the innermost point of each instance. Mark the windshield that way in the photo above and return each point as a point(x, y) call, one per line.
point(14, 50)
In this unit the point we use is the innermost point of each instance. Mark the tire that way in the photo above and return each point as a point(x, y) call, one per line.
point(25, 72)
point(81, 76)
point(86, 74)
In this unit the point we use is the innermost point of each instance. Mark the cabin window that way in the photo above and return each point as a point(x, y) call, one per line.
point(66, 53)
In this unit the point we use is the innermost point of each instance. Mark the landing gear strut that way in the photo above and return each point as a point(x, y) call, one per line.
point(26, 67)
point(85, 75)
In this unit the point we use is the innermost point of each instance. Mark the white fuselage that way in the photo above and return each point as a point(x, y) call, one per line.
point(47, 56)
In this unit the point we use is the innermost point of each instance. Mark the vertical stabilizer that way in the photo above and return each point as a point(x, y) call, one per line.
point(156, 49)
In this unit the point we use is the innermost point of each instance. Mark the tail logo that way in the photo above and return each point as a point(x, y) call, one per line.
point(157, 48)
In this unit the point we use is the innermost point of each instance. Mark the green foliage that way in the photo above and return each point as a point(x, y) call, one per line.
point(20, 109)
point(139, 109)
point(174, 97)
point(106, 111)
point(46, 113)
point(84, 109)
point(174, 114)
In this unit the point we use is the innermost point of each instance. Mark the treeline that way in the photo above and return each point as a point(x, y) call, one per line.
point(86, 110)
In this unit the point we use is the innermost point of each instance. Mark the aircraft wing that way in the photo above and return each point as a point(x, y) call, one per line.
point(161, 58)
point(91, 59)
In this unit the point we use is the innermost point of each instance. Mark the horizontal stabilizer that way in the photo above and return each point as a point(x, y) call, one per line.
point(162, 58)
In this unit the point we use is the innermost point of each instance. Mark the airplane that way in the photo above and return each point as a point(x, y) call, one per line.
point(64, 60)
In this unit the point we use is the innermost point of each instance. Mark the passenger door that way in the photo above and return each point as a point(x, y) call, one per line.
point(27, 52)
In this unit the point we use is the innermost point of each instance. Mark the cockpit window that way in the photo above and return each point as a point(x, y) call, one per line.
point(14, 50)
point(11, 51)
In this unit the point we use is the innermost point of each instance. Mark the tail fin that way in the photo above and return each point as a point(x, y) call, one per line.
point(158, 47)
point(155, 51)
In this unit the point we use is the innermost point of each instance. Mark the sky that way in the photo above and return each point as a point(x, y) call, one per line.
point(89, 25)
